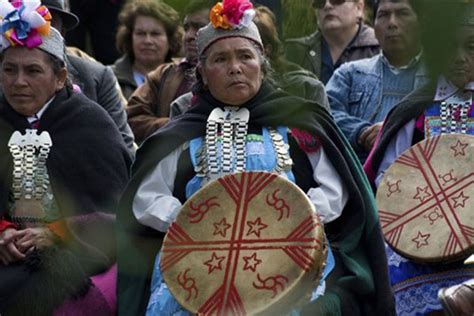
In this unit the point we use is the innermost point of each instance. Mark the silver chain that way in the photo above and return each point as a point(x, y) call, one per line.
point(29, 153)
point(227, 146)
point(234, 125)
point(282, 150)
point(240, 142)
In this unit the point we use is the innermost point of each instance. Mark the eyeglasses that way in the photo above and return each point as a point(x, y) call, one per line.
point(319, 4)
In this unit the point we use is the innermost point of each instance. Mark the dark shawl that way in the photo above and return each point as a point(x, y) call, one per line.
point(360, 281)
point(412, 106)
point(88, 167)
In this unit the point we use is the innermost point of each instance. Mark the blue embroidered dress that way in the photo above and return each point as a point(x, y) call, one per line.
point(260, 156)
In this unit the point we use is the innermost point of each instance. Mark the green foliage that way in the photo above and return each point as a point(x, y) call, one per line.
point(299, 18)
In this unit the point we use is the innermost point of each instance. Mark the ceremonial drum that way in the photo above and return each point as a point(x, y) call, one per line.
point(426, 200)
point(246, 243)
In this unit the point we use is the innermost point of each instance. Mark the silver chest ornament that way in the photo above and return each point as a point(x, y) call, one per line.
point(232, 122)
point(30, 177)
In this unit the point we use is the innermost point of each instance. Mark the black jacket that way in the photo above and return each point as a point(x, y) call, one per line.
point(99, 84)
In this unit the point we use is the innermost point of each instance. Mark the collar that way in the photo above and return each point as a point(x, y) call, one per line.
point(352, 43)
point(446, 88)
point(396, 70)
point(38, 114)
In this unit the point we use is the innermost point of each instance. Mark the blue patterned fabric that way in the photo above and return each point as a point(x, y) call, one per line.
point(260, 156)
point(416, 286)
point(433, 121)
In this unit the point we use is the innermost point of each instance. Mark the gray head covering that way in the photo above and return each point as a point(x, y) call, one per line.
point(27, 24)
point(208, 35)
point(229, 19)
point(53, 44)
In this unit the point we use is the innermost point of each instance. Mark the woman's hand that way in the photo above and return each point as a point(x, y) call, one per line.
point(30, 238)
point(9, 252)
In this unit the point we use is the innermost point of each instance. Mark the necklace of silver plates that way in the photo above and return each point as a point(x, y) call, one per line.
point(30, 152)
point(454, 113)
point(232, 122)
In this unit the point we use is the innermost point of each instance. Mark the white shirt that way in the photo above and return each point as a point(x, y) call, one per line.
point(155, 206)
point(38, 114)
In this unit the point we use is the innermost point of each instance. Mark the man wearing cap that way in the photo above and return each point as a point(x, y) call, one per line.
point(342, 36)
point(63, 166)
point(95, 80)
point(362, 92)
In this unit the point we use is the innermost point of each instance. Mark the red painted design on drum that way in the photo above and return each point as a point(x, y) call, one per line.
point(421, 239)
point(393, 188)
point(440, 197)
point(215, 263)
point(200, 211)
point(221, 304)
point(460, 200)
point(238, 241)
point(278, 204)
point(448, 177)
point(251, 262)
point(178, 236)
point(271, 283)
point(256, 227)
point(221, 228)
point(433, 216)
point(459, 148)
point(422, 194)
point(188, 284)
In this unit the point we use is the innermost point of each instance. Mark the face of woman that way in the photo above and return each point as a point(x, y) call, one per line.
point(150, 42)
point(461, 69)
point(232, 70)
point(28, 79)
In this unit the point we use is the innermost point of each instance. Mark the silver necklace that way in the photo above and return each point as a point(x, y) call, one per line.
point(30, 152)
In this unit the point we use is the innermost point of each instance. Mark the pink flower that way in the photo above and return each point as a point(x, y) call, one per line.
point(234, 10)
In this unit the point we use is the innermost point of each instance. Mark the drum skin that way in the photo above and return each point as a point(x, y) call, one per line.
point(247, 243)
point(426, 200)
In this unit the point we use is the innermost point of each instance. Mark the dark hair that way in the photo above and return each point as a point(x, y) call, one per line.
point(151, 8)
point(56, 65)
point(413, 3)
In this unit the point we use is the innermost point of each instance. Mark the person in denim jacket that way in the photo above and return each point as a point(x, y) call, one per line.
point(361, 93)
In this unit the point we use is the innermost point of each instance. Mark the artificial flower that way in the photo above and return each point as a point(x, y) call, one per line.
point(23, 23)
point(217, 18)
point(234, 10)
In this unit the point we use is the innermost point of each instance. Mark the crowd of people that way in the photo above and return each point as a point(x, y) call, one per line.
point(100, 154)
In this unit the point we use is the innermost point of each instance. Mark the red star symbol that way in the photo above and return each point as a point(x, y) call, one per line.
point(422, 194)
point(256, 227)
point(459, 148)
point(221, 228)
point(461, 197)
point(421, 240)
point(214, 263)
point(252, 262)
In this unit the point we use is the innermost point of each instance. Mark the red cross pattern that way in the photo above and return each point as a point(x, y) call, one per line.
point(431, 216)
point(232, 251)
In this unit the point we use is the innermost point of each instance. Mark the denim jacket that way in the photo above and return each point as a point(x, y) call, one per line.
point(355, 95)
